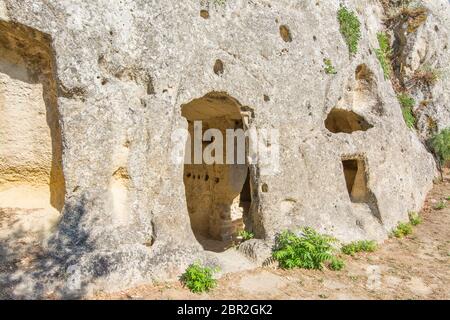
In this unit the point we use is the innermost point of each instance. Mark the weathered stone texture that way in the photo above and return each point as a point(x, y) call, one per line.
point(124, 69)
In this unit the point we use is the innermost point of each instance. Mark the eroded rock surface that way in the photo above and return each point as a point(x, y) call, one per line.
point(118, 74)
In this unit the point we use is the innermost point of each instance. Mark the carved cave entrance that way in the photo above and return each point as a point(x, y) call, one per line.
point(31, 178)
point(218, 195)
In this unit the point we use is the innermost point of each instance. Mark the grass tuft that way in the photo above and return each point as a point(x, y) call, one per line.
point(407, 104)
point(409, 118)
point(329, 68)
point(440, 205)
point(440, 144)
point(414, 218)
point(426, 75)
point(336, 264)
point(359, 246)
point(407, 12)
point(402, 230)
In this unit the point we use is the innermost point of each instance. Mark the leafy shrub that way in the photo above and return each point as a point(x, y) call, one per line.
point(441, 145)
point(336, 264)
point(310, 250)
point(359, 246)
point(350, 28)
point(414, 218)
point(329, 68)
point(246, 235)
point(384, 54)
point(402, 229)
point(198, 279)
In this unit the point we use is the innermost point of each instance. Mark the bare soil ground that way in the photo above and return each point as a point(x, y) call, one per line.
point(415, 267)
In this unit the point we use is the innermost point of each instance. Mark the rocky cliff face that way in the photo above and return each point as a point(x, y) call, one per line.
point(420, 38)
point(125, 70)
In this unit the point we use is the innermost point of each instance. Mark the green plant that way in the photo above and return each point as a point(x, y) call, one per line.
point(384, 53)
point(405, 100)
point(441, 145)
point(220, 2)
point(440, 205)
point(359, 246)
point(329, 68)
point(448, 198)
point(246, 235)
point(402, 229)
point(407, 103)
point(309, 250)
point(336, 264)
point(199, 279)
point(414, 218)
point(409, 117)
point(350, 28)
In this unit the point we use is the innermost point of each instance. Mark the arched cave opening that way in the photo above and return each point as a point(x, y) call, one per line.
point(218, 195)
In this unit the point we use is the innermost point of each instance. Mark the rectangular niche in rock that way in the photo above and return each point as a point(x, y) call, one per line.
point(32, 184)
point(356, 178)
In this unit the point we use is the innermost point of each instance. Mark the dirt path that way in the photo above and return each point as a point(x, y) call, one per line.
point(416, 267)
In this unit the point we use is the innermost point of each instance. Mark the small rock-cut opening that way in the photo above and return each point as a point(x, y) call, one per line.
point(218, 195)
point(218, 67)
point(285, 33)
point(355, 177)
point(31, 179)
point(340, 120)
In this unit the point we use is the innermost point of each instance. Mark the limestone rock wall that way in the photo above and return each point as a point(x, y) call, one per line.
point(426, 50)
point(124, 69)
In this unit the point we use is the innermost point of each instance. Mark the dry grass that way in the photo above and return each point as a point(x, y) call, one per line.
point(427, 76)
point(408, 12)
